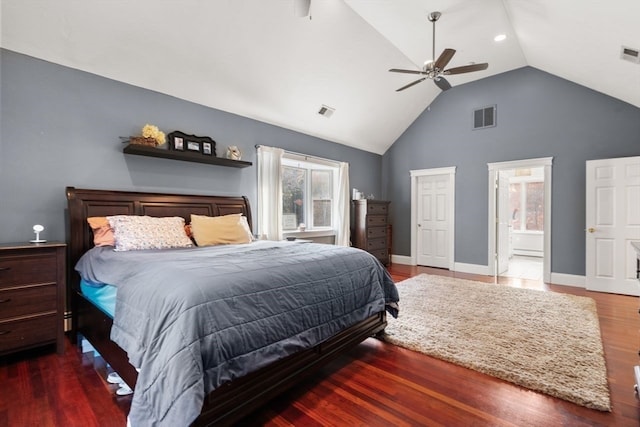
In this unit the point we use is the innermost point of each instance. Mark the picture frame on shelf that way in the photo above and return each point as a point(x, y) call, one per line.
point(177, 143)
point(180, 141)
point(193, 146)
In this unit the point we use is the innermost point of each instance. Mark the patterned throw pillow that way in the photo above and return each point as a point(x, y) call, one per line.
point(134, 232)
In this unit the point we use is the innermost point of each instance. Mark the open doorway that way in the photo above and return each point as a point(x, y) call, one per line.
point(520, 219)
point(524, 215)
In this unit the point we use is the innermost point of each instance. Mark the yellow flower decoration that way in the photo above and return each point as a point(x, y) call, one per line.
point(151, 131)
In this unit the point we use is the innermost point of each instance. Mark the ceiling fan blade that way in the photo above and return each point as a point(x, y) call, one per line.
point(442, 83)
point(466, 69)
point(411, 84)
point(397, 70)
point(444, 58)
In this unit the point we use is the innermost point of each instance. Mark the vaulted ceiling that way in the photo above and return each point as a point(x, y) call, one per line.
point(258, 59)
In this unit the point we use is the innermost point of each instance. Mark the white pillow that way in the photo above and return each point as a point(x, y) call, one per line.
point(133, 232)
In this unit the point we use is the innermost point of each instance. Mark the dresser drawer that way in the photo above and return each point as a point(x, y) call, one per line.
point(23, 333)
point(381, 254)
point(376, 220)
point(28, 268)
point(376, 232)
point(27, 300)
point(377, 208)
point(373, 244)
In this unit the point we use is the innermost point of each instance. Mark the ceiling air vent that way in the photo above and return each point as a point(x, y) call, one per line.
point(326, 111)
point(630, 54)
point(484, 117)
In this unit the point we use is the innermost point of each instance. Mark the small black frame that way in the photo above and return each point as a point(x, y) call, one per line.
point(180, 141)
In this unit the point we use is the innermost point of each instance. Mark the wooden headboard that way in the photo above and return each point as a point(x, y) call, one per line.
point(83, 204)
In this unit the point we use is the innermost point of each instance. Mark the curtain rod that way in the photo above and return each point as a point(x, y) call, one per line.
point(306, 156)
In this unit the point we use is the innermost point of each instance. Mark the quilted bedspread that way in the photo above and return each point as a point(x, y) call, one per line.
point(192, 319)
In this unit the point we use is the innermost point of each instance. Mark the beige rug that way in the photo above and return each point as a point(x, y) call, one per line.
point(543, 341)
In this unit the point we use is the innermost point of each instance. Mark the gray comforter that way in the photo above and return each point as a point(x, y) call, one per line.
point(193, 319)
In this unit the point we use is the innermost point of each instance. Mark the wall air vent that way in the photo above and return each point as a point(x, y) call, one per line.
point(630, 54)
point(484, 117)
point(326, 111)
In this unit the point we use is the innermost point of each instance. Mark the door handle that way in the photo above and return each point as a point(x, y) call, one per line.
point(591, 230)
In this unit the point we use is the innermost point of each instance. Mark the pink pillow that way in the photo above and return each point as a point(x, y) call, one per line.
point(102, 231)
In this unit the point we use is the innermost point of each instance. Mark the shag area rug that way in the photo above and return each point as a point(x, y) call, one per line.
point(544, 341)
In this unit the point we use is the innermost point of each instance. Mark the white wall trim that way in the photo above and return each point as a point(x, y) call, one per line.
point(494, 168)
point(434, 171)
point(560, 279)
point(401, 259)
point(520, 164)
point(415, 174)
point(568, 280)
point(461, 267)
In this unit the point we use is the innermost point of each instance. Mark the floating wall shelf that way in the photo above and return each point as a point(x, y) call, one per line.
point(143, 150)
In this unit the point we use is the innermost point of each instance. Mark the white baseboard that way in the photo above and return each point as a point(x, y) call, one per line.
point(568, 280)
point(556, 278)
point(401, 259)
point(461, 267)
point(458, 266)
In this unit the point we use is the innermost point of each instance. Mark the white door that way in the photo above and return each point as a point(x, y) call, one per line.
point(612, 222)
point(503, 222)
point(433, 221)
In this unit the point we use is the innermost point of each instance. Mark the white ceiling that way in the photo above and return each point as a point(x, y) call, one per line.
point(256, 58)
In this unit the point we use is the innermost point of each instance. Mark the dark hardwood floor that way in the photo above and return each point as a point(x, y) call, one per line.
point(375, 384)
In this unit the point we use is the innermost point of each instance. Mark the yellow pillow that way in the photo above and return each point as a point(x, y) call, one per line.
point(220, 230)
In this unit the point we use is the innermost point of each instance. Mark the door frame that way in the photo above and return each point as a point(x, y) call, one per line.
point(494, 168)
point(415, 174)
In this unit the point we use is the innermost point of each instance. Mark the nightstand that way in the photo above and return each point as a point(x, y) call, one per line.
point(32, 295)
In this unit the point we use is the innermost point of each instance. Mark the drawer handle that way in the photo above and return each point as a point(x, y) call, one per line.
point(5, 300)
point(5, 268)
point(5, 332)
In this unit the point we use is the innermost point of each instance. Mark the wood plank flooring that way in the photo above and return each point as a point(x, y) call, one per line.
point(375, 384)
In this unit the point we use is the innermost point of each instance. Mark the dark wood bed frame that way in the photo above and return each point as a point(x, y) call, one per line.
point(232, 401)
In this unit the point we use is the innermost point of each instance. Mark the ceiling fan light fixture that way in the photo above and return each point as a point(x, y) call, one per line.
point(500, 37)
point(301, 8)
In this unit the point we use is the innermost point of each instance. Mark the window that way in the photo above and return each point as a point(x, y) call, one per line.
point(308, 193)
point(526, 200)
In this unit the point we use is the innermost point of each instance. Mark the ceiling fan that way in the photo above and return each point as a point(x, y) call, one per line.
point(434, 70)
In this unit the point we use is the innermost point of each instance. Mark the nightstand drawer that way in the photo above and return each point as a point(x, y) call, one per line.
point(24, 333)
point(27, 300)
point(27, 268)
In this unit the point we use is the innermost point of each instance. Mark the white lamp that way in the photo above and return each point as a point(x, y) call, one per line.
point(37, 229)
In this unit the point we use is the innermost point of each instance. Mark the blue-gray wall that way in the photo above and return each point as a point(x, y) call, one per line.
point(60, 127)
point(538, 115)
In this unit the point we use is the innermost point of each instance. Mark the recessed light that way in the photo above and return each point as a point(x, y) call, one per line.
point(500, 37)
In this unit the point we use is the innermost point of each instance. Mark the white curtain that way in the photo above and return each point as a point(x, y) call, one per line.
point(270, 192)
point(343, 230)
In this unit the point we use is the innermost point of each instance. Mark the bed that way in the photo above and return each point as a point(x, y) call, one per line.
point(231, 400)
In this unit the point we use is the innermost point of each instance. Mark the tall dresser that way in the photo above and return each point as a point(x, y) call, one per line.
point(32, 295)
point(371, 218)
